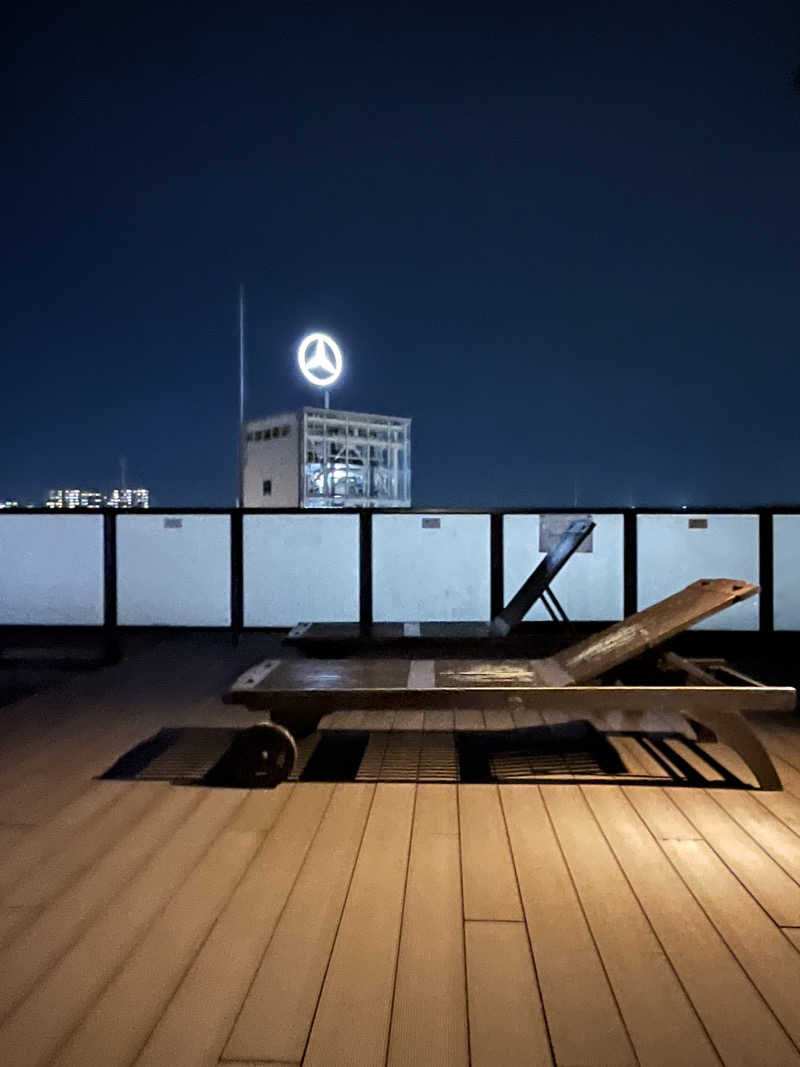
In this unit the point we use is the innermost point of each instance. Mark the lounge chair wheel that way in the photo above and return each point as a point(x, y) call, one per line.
point(262, 756)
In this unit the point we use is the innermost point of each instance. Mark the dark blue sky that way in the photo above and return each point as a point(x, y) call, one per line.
point(564, 243)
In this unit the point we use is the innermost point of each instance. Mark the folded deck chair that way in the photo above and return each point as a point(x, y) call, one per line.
point(334, 638)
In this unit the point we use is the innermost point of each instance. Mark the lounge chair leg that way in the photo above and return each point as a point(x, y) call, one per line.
point(733, 730)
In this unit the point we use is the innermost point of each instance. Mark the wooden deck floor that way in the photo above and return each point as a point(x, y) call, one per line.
point(365, 924)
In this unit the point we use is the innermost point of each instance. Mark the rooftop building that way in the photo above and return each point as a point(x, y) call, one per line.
point(318, 458)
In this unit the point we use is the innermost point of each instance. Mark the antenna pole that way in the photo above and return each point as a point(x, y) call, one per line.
point(240, 498)
point(122, 474)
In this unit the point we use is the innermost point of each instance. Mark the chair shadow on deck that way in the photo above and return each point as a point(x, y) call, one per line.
point(563, 752)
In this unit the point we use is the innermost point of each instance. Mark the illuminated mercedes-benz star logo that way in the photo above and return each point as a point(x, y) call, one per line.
point(320, 359)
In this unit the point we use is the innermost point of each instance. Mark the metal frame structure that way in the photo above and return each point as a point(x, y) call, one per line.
point(353, 459)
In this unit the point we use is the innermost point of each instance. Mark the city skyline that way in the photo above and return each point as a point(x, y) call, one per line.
point(563, 244)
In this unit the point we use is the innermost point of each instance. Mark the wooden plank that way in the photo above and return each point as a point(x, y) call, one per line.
point(438, 758)
point(369, 769)
point(793, 933)
point(582, 1015)
point(352, 1021)
point(523, 717)
point(278, 1011)
point(47, 879)
point(697, 763)
point(777, 840)
point(261, 808)
point(436, 810)
point(40, 1023)
point(421, 674)
point(777, 893)
point(429, 1015)
point(380, 720)
point(734, 1015)
point(636, 757)
point(44, 795)
point(786, 741)
point(408, 720)
point(113, 1033)
point(498, 719)
point(9, 836)
point(732, 762)
point(654, 806)
point(784, 806)
point(646, 629)
point(88, 741)
point(634, 706)
point(490, 884)
point(438, 720)
point(56, 833)
point(13, 920)
point(195, 1026)
point(506, 1022)
point(759, 946)
point(402, 755)
point(469, 719)
point(659, 1017)
point(352, 720)
point(59, 925)
point(775, 741)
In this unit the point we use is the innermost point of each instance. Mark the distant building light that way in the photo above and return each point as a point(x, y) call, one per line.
point(91, 498)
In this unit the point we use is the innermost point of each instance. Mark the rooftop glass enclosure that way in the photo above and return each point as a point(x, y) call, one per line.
point(351, 459)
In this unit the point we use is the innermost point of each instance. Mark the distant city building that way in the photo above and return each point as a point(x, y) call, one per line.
point(73, 498)
point(129, 498)
point(317, 458)
point(66, 499)
point(9, 504)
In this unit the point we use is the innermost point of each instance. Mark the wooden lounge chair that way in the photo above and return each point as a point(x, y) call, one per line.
point(298, 693)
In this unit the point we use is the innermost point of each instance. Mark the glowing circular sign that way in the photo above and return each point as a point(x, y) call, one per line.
point(320, 359)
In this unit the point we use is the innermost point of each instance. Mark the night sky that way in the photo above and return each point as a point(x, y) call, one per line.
point(565, 243)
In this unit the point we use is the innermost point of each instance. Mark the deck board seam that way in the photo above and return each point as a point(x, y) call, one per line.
point(463, 922)
point(524, 921)
point(278, 916)
point(710, 919)
point(649, 921)
point(742, 827)
point(588, 925)
point(202, 943)
point(710, 843)
point(400, 931)
point(86, 924)
point(225, 828)
point(338, 924)
point(755, 842)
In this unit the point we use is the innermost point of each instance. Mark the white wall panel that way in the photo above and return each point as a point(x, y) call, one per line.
point(173, 570)
point(671, 554)
point(421, 572)
point(786, 569)
point(589, 586)
point(300, 568)
point(51, 570)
